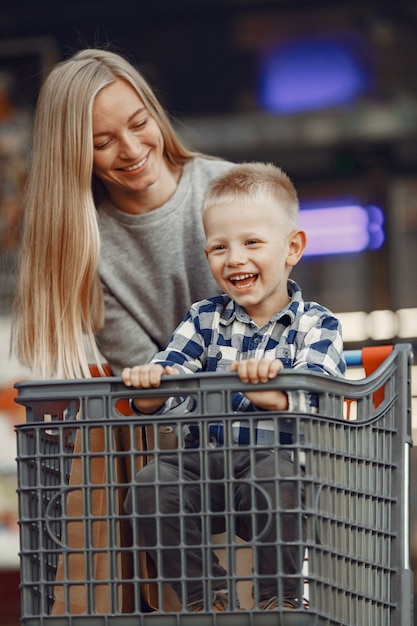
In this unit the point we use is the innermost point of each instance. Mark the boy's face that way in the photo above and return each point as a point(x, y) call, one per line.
point(251, 253)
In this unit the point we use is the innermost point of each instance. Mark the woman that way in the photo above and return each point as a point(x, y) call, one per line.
point(112, 251)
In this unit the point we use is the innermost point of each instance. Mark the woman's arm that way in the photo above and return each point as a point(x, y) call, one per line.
point(123, 341)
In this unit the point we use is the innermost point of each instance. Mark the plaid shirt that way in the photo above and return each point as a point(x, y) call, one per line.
point(217, 331)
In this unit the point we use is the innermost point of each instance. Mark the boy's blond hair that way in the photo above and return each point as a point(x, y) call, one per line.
point(255, 183)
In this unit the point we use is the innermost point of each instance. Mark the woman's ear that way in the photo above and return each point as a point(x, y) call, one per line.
point(297, 242)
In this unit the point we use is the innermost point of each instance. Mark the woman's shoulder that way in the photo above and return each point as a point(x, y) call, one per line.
point(197, 174)
point(207, 168)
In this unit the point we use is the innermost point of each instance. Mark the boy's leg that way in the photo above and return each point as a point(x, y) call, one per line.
point(274, 490)
point(168, 513)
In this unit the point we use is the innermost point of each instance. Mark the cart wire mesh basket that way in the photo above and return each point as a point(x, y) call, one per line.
point(82, 558)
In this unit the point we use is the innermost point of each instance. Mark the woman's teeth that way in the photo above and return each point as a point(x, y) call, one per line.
point(136, 166)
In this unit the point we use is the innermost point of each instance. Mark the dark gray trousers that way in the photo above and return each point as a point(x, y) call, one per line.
point(176, 509)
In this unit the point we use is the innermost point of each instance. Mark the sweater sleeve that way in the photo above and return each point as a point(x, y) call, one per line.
point(123, 341)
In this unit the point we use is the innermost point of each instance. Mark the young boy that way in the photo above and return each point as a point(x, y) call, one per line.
point(259, 326)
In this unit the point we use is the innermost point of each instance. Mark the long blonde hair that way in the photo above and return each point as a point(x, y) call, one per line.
point(59, 301)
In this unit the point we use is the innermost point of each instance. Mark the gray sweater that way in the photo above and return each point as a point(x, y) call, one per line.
point(152, 267)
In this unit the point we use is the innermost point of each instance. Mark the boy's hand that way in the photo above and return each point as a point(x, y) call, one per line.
point(260, 371)
point(147, 377)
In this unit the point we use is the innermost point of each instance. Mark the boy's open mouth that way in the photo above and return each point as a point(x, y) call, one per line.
point(243, 280)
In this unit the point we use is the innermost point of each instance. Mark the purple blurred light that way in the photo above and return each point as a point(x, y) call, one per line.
point(342, 229)
point(310, 74)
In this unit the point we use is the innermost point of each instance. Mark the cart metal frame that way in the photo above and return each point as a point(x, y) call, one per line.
point(353, 525)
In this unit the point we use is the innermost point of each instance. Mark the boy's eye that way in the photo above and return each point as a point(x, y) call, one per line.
point(217, 248)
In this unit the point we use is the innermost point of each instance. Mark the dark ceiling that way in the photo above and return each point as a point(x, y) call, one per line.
point(202, 55)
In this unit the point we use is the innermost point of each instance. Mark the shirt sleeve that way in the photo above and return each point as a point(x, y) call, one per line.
point(320, 351)
point(186, 350)
point(321, 347)
point(187, 353)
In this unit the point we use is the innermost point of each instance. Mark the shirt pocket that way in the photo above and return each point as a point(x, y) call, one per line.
point(286, 354)
point(220, 358)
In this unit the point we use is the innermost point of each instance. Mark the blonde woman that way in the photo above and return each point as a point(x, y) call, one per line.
point(112, 252)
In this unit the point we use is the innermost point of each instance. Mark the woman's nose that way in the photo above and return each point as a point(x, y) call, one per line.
point(129, 147)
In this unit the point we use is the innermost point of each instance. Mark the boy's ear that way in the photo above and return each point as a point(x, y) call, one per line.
point(297, 242)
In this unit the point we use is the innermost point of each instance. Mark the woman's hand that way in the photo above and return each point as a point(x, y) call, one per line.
point(147, 377)
point(260, 371)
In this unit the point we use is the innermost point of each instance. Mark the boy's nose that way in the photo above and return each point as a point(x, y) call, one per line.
point(236, 257)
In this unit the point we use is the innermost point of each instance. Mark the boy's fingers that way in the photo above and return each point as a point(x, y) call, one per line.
point(276, 366)
point(143, 376)
point(146, 376)
point(257, 370)
point(138, 377)
point(126, 376)
point(248, 370)
point(152, 375)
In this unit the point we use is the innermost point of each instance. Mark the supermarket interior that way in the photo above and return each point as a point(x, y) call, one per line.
point(326, 90)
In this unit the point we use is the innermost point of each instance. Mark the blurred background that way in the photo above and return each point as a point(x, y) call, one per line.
point(325, 89)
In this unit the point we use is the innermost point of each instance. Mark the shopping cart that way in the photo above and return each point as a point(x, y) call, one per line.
point(82, 563)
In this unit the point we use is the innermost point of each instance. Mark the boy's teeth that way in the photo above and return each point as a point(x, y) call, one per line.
point(242, 277)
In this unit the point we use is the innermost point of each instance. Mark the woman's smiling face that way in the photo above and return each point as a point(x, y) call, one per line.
point(128, 144)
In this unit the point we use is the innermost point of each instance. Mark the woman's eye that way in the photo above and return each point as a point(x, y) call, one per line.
point(101, 146)
point(140, 124)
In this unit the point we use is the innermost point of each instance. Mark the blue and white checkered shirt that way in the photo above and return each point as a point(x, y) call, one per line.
point(217, 331)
